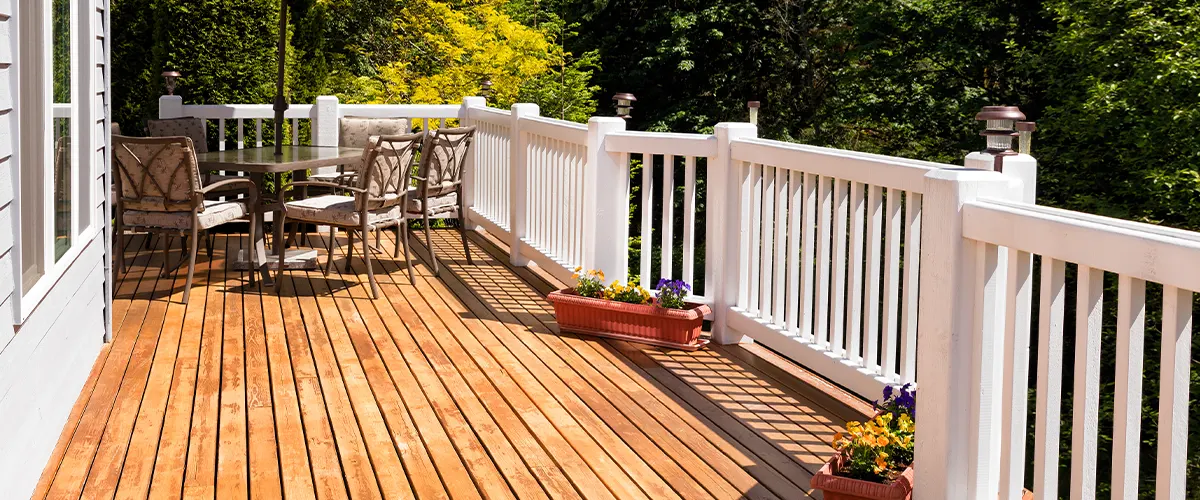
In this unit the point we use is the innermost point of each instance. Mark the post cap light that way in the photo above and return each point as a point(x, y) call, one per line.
point(999, 132)
point(170, 76)
point(625, 102)
point(753, 105)
point(485, 88)
point(1025, 136)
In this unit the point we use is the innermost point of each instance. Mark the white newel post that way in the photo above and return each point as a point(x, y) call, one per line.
point(468, 188)
point(606, 202)
point(325, 125)
point(518, 202)
point(1014, 369)
point(170, 106)
point(961, 307)
point(724, 208)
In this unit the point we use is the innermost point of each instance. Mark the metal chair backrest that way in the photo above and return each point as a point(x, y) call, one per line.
point(442, 159)
point(158, 174)
point(188, 126)
point(388, 172)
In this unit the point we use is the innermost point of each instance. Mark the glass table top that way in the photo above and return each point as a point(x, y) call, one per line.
point(264, 159)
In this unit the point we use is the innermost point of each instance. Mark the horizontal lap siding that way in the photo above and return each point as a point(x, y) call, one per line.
point(45, 362)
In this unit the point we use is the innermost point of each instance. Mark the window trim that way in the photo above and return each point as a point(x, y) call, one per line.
point(33, 141)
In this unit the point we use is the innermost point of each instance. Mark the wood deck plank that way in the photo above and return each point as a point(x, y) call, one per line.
point(136, 473)
point(674, 460)
point(199, 471)
point(170, 460)
point(513, 413)
point(295, 472)
point(538, 309)
point(458, 405)
point(325, 462)
point(355, 459)
point(354, 359)
point(80, 454)
point(457, 386)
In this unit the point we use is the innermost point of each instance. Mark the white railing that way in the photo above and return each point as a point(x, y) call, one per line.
point(555, 152)
point(829, 259)
point(662, 156)
point(243, 124)
point(868, 269)
point(488, 192)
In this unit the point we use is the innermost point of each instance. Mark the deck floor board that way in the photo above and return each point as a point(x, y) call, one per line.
point(459, 385)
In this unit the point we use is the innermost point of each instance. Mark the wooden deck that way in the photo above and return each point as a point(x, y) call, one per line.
point(457, 387)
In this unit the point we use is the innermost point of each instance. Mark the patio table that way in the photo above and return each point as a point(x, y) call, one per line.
point(259, 161)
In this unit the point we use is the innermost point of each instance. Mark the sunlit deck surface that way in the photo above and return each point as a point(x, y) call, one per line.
point(460, 386)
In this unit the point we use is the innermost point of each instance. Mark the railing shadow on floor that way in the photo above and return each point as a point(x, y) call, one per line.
point(777, 416)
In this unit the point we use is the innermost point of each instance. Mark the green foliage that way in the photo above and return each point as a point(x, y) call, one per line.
point(225, 49)
point(590, 283)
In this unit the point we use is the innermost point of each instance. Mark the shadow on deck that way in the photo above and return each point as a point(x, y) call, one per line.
point(458, 386)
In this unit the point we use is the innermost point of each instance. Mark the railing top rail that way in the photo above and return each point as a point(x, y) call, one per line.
point(245, 111)
point(662, 143)
point(494, 116)
point(867, 168)
point(400, 110)
point(575, 133)
point(1144, 251)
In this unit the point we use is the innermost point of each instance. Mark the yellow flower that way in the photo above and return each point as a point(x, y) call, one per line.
point(881, 441)
point(881, 460)
point(577, 269)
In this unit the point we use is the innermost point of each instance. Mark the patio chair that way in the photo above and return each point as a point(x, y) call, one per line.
point(356, 132)
point(438, 194)
point(377, 202)
point(160, 189)
point(192, 128)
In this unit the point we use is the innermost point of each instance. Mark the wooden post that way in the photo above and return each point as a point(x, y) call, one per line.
point(606, 202)
point(170, 106)
point(518, 202)
point(961, 309)
point(468, 188)
point(724, 206)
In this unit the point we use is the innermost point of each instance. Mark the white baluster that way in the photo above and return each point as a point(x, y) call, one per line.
point(1175, 362)
point(689, 221)
point(647, 217)
point(667, 251)
point(1127, 404)
point(858, 214)
point(841, 198)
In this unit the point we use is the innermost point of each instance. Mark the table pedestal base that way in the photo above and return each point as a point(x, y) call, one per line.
point(294, 258)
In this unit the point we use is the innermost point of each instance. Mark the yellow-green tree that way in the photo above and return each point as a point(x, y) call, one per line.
point(443, 50)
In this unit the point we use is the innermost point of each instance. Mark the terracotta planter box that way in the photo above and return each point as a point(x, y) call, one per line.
point(648, 324)
point(844, 488)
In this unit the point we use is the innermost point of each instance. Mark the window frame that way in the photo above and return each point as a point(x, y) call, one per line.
point(34, 143)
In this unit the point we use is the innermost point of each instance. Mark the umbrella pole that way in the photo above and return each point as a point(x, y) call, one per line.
point(280, 104)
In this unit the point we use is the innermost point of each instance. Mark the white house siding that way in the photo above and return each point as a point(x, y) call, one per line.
point(45, 361)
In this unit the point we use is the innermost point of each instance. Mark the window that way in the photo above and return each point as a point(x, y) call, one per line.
point(54, 181)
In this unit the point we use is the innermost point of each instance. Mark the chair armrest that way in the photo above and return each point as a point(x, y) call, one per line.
point(251, 187)
point(324, 184)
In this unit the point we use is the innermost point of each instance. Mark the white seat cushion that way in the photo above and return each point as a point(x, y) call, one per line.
point(437, 204)
point(339, 211)
point(215, 213)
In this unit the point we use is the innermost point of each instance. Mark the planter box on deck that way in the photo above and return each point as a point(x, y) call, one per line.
point(649, 324)
point(837, 487)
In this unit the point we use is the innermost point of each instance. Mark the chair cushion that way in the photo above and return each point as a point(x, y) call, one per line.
point(355, 132)
point(437, 204)
point(333, 176)
point(339, 211)
point(215, 213)
point(189, 127)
